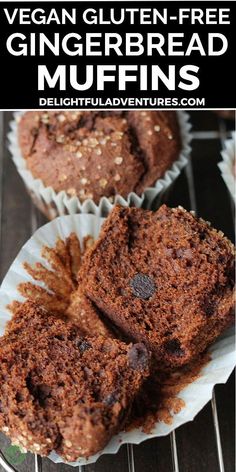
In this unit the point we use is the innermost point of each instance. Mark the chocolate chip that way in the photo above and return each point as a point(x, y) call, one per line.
point(60, 337)
point(221, 259)
point(61, 384)
point(40, 392)
point(202, 235)
point(88, 372)
point(111, 399)
point(173, 348)
point(142, 286)
point(209, 307)
point(19, 397)
point(84, 346)
point(138, 357)
point(43, 391)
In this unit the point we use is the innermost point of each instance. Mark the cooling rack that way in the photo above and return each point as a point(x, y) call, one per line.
point(207, 443)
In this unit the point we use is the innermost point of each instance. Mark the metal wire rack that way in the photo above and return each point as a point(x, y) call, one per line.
point(129, 451)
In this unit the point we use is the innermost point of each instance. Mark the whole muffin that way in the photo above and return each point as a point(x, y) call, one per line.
point(94, 154)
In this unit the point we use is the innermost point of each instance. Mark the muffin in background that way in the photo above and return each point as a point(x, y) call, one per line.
point(95, 154)
point(227, 165)
point(77, 161)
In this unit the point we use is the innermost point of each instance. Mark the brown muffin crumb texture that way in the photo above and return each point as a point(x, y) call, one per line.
point(94, 154)
point(72, 393)
point(165, 278)
point(158, 399)
point(61, 294)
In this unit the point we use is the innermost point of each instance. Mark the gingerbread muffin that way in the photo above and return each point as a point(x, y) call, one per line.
point(87, 317)
point(60, 391)
point(163, 278)
point(94, 154)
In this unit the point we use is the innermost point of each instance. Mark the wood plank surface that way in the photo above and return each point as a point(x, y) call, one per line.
point(195, 442)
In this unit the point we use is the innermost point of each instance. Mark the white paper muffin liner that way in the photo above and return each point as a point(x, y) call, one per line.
point(195, 395)
point(55, 204)
point(227, 165)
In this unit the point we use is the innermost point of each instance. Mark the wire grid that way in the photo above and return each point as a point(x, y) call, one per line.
point(222, 134)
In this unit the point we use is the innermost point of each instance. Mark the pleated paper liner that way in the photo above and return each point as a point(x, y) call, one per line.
point(192, 396)
point(54, 204)
point(228, 165)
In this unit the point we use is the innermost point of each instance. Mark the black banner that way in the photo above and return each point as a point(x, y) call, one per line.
point(117, 55)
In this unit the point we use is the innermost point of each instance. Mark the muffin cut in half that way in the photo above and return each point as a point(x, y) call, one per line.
point(61, 391)
point(94, 154)
point(163, 278)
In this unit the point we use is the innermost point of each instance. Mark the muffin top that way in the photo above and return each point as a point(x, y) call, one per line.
point(94, 154)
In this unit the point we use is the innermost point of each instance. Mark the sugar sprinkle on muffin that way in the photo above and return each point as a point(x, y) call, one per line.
point(94, 154)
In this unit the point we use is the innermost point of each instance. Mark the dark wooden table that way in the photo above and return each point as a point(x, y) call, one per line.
point(207, 443)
